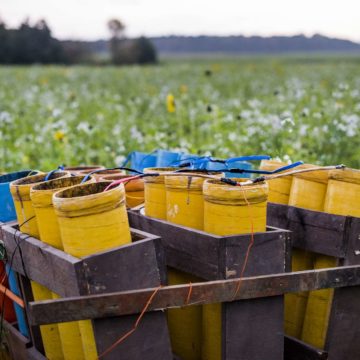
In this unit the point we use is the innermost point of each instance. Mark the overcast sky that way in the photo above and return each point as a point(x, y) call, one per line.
point(86, 19)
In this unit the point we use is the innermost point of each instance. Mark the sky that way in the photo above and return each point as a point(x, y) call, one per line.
point(87, 19)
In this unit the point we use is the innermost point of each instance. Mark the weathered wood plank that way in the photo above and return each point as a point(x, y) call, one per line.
point(245, 336)
point(312, 230)
point(277, 215)
point(247, 325)
point(267, 256)
point(17, 343)
point(150, 341)
point(194, 251)
point(135, 266)
point(184, 247)
point(33, 354)
point(113, 270)
point(131, 302)
point(46, 265)
point(298, 350)
point(344, 331)
point(34, 330)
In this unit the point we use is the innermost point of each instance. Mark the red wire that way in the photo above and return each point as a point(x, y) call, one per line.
point(126, 335)
point(252, 240)
point(189, 294)
point(120, 181)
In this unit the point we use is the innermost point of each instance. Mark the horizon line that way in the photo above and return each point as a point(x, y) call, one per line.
point(215, 35)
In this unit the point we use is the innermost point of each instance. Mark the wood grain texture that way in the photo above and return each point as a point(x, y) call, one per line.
point(186, 249)
point(26, 291)
point(247, 324)
point(42, 263)
point(344, 331)
point(140, 264)
point(132, 302)
point(150, 341)
point(312, 230)
point(20, 347)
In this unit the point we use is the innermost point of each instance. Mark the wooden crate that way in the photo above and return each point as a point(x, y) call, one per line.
point(134, 266)
point(332, 235)
point(20, 347)
point(251, 329)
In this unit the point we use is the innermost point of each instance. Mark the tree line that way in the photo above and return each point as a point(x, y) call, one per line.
point(34, 43)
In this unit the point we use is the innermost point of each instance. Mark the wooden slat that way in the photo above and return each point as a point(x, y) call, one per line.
point(17, 343)
point(314, 231)
point(267, 256)
point(46, 265)
point(33, 354)
point(114, 270)
point(343, 335)
point(131, 302)
point(132, 266)
point(277, 215)
point(150, 341)
point(194, 251)
point(184, 247)
point(254, 327)
point(298, 350)
point(27, 295)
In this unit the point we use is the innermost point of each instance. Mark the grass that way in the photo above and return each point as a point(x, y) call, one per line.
point(290, 107)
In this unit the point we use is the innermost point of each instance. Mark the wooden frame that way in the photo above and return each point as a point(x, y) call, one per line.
point(132, 302)
point(337, 236)
point(20, 347)
point(328, 234)
point(213, 257)
point(133, 266)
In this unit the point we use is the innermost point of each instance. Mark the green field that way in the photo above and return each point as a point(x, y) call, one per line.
point(298, 108)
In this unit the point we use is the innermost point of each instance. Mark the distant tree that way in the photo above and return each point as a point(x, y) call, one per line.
point(124, 51)
point(4, 42)
point(30, 44)
point(76, 52)
point(117, 28)
point(146, 52)
point(117, 31)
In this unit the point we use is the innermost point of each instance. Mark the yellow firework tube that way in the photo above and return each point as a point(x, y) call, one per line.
point(318, 308)
point(343, 193)
point(185, 206)
point(41, 197)
point(342, 198)
point(105, 172)
point(134, 189)
point(185, 325)
point(229, 210)
point(279, 189)
point(308, 190)
point(295, 303)
point(155, 194)
point(20, 190)
point(91, 220)
point(185, 201)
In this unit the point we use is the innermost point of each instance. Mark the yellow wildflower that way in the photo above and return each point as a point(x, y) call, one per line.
point(25, 159)
point(44, 81)
point(59, 135)
point(183, 89)
point(170, 103)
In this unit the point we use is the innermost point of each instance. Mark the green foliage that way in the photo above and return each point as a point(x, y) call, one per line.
point(136, 51)
point(281, 107)
point(29, 44)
